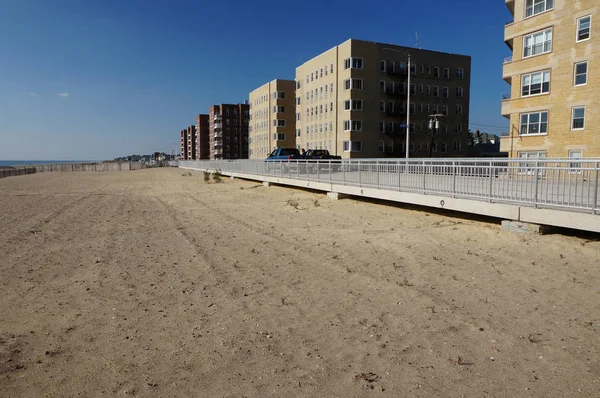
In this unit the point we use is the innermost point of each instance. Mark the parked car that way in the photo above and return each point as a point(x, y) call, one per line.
point(322, 159)
point(283, 158)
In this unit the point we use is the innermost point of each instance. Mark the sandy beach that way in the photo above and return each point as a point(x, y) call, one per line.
point(155, 284)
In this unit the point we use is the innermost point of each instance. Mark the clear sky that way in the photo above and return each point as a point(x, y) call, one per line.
point(97, 79)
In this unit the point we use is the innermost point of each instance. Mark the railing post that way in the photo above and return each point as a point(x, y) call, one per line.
point(491, 180)
point(359, 175)
point(377, 171)
point(595, 205)
point(423, 177)
point(329, 164)
point(537, 181)
point(453, 179)
point(318, 167)
point(344, 170)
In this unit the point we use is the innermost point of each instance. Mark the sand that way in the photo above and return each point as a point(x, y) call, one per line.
point(155, 284)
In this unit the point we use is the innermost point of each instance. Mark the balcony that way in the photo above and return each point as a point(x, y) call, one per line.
point(508, 70)
point(219, 151)
point(218, 143)
point(510, 4)
point(219, 135)
point(218, 116)
point(509, 22)
point(218, 126)
point(506, 106)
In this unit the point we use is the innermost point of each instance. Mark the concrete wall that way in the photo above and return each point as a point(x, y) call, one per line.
point(69, 167)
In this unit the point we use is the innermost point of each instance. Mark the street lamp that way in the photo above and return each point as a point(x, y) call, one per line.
point(407, 98)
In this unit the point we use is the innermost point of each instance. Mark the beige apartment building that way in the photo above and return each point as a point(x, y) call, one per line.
point(352, 100)
point(272, 118)
point(554, 74)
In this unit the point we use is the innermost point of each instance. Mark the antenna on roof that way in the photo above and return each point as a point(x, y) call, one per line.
point(418, 43)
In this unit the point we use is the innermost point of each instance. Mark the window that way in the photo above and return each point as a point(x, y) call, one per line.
point(321, 91)
point(326, 69)
point(443, 147)
point(331, 68)
point(534, 7)
point(352, 125)
point(278, 109)
point(235, 122)
point(298, 85)
point(381, 106)
point(434, 108)
point(297, 100)
point(535, 83)
point(583, 28)
point(331, 88)
point(458, 128)
point(436, 91)
point(279, 136)
point(445, 92)
point(420, 88)
point(321, 109)
point(382, 66)
point(436, 72)
point(459, 92)
point(420, 107)
point(413, 89)
point(428, 89)
point(354, 105)
point(391, 87)
point(445, 110)
point(297, 117)
point(353, 63)
point(298, 132)
point(381, 86)
point(353, 84)
point(380, 146)
point(426, 107)
point(352, 146)
point(578, 119)
point(575, 167)
point(537, 43)
point(457, 146)
point(326, 89)
point(422, 69)
point(534, 123)
point(446, 73)
point(321, 74)
point(459, 109)
point(391, 106)
point(460, 73)
point(581, 73)
point(226, 112)
point(317, 74)
point(311, 77)
point(331, 107)
point(278, 95)
point(278, 123)
point(382, 127)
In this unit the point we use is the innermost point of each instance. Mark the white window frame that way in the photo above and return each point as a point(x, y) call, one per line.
point(460, 73)
point(380, 146)
point(459, 92)
point(573, 118)
point(353, 125)
point(445, 92)
point(381, 106)
point(353, 63)
point(459, 109)
point(447, 73)
point(352, 81)
point(575, 167)
point(581, 74)
point(352, 105)
point(382, 66)
point(540, 123)
point(577, 39)
point(279, 95)
point(348, 146)
point(530, 76)
point(381, 126)
point(457, 148)
point(436, 91)
point(279, 136)
point(532, 7)
point(545, 35)
point(278, 109)
point(278, 122)
point(382, 86)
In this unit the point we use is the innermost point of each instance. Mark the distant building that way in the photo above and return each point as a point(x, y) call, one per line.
point(554, 80)
point(352, 100)
point(228, 138)
point(273, 117)
point(202, 137)
point(484, 145)
point(188, 143)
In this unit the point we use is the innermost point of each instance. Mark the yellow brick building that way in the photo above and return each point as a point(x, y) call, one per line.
point(554, 74)
point(272, 118)
point(352, 100)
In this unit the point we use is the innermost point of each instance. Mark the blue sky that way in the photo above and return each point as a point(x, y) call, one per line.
point(97, 79)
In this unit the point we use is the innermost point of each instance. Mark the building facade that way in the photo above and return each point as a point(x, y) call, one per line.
point(352, 100)
point(273, 117)
point(188, 143)
point(228, 131)
point(555, 48)
point(202, 137)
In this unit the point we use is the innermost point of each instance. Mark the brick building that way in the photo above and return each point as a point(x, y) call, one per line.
point(228, 137)
point(202, 137)
point(188, 143)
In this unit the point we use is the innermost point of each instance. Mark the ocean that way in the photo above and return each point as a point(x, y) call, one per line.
point(28, 162)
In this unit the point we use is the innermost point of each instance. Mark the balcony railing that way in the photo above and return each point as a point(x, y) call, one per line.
point(218, 151)
point(508, 60)
point(509, 22)
point(219, 135)
point(218, 117)
point(218, 126)
point(218, 143)
point(505, 97)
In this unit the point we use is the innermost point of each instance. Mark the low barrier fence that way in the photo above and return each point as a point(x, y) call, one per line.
point(568, 184)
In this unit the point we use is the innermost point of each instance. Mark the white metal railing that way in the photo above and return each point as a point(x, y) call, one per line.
point(568, 184)
point(508, 60)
